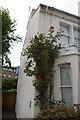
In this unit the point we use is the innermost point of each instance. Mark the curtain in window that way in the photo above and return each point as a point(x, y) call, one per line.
point(66, 89)
point(65, 75)
point(77, 36)
point(65, 37)
point(67, 95)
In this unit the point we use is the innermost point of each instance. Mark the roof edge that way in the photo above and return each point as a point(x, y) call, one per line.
point(52, 8)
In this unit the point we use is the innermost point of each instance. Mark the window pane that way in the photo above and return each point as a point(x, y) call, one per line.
point(67, 95)
point(65, 75)
point(76, 34)
point(64, 41)
point(65, 30)
point(78, 42)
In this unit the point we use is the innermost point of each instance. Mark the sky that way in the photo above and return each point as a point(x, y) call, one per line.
point(19, 10)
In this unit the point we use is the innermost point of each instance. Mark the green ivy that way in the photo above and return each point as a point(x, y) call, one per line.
point(41, 54)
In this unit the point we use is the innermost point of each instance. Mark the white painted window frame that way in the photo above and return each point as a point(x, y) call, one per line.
point(68, 36)
point(77, 38)
point(68, 86)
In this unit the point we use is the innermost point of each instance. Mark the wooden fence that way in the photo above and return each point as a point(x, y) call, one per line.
point(8, 101)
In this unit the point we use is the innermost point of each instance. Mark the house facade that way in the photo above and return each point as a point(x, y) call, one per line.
point(67, 65)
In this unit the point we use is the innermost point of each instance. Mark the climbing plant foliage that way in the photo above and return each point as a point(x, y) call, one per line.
point(41, 55)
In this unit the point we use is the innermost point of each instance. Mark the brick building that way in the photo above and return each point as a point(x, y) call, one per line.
point(10, 72)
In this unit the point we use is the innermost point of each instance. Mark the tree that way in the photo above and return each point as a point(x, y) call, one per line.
point(8, 36)
point(41, 54)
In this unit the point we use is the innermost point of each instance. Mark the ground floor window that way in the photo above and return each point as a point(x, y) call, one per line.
point(65, 84)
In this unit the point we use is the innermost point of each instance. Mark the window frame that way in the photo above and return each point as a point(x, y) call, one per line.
point(62, 32)
point(65, 86)
point(76, 38)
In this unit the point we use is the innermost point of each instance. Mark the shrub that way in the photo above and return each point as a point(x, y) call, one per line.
point(58, 113)
point(12, 90)
point(8, 84)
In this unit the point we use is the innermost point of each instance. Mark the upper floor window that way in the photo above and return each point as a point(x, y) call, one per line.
point(77, 36)
point(65, 34)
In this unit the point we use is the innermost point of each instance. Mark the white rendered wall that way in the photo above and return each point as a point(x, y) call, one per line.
point(25, 89)
point(79, 8)
point(79, 79)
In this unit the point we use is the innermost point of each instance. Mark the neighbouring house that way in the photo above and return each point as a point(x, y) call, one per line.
point(10, 72)
point(67, 66)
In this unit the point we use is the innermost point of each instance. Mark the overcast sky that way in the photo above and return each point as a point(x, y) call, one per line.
point(19, 10)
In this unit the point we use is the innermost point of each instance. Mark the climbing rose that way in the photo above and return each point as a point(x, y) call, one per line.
point(51, 29)
point(25, 70)
point(39, 77)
